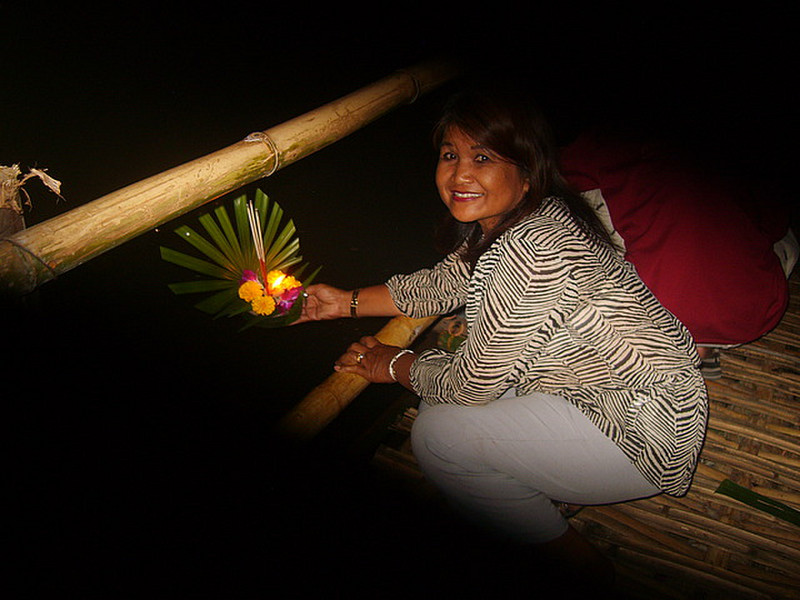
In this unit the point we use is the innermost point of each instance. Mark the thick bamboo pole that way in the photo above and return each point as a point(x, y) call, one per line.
point(38, 254)
point(328, 399)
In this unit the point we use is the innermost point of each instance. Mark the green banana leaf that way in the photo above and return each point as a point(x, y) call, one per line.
point(759, 501)
point(226, 250)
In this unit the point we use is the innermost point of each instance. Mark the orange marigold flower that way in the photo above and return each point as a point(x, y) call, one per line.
point(263, 305)
point(250, 290)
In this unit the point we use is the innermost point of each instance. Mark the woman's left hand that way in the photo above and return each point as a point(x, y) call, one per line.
point(369, 358)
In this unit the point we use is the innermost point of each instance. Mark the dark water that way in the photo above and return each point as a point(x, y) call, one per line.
point(142, 457)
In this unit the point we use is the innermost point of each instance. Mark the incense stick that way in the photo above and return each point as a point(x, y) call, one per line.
point(258, 240)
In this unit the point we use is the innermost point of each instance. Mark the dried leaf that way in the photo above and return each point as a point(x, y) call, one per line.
point(50, 182)
point(11, 186)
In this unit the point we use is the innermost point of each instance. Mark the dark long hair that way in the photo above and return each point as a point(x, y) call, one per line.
point(516, 130)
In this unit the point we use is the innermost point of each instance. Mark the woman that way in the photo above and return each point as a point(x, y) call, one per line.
point(573, 385)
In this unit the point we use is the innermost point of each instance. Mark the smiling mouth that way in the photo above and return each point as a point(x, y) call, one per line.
point(464, 196)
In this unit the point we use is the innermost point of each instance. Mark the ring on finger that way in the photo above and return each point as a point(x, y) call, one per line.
point(359, 357)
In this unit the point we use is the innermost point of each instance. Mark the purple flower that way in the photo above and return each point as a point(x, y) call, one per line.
point(248, 275)
point(287, 298)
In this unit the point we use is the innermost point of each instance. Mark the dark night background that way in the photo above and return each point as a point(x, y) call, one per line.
point(141, 460)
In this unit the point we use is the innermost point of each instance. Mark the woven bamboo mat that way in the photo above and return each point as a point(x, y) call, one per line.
point(709, 544)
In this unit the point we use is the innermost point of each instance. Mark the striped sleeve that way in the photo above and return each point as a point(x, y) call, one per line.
point(436, 291)
point(520, 295)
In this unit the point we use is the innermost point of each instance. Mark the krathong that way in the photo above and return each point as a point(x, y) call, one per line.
point(256, 271)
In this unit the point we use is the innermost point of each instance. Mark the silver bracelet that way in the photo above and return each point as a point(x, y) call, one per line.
point(394, 360)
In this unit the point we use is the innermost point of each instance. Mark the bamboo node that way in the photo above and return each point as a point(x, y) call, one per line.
point(51, 265)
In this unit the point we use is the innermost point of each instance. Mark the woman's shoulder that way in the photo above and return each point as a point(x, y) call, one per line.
point(538, 238)
point(548, 224)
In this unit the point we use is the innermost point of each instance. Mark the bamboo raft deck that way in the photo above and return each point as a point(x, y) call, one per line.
point(706, 544)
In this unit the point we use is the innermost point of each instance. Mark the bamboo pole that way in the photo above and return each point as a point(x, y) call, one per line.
point(328, 399)
point(38, 254)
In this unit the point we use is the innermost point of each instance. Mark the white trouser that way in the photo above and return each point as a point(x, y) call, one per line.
point(503, 464)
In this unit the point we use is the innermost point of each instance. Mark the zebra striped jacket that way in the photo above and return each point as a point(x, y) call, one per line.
point(551, 309)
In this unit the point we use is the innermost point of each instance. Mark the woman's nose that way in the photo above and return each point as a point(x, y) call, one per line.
point(463, 171)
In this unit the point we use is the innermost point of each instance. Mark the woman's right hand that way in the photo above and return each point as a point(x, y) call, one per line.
point(325, 302)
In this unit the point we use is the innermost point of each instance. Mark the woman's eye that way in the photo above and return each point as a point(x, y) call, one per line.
point(448, 156)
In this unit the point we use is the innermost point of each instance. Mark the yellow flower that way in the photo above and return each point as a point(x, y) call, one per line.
point(263, 305)
point(278, 282)
point(290, 283)
point(250, 290)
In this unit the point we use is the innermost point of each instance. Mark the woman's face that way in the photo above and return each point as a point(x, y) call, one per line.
point(475, 183)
